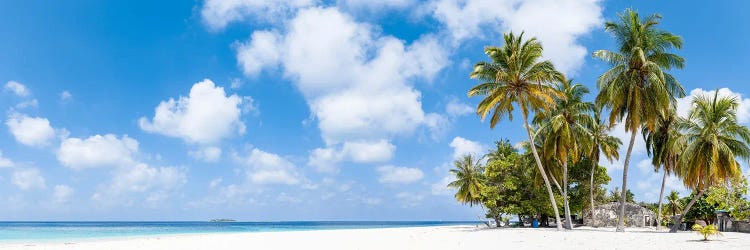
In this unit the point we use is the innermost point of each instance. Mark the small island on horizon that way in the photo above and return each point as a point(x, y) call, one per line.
point(222, 220)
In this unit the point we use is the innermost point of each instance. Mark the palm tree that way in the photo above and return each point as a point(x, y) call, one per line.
point(468, 173)
point(663, 145)
point(714, 139)
point(600, 143)
point(566, 131)
point(674, 203)
point(637, 87)
point(515, 75)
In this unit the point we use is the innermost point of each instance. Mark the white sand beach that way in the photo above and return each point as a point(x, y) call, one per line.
point(434, 238)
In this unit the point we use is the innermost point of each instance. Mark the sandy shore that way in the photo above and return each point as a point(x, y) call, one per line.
point(433, 238)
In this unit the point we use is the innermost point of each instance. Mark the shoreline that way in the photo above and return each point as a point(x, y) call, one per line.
point(430, 237)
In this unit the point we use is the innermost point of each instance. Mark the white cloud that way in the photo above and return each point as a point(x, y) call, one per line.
point(218, 13)
point(207, 154)
point(65, 96)
point(29, 178)
point(259, 53)
point(743, 111)
point(369, 152)
point(141, 177)
point(399, 175)
point(206, 116)
point(97, 151)
point(462, 146)
point(156, 183)
point(360, 86)
point(30, 131)
point(572, 19)
point(17, 88)
point(5, 162)
point(325, 160)
point(269, 168)
point(457, 108)
point(61, 194)
point(370, 6)
point(33, 103)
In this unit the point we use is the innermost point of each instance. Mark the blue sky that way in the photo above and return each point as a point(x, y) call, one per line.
point(290, 110)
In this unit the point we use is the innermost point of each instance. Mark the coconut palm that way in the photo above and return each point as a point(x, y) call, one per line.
point(663, 145)
point(566, 131)
point(673, 202)
point(714, 140)
point(637, 87)
point(515, 76)
point(600, 143)
point(468, 173)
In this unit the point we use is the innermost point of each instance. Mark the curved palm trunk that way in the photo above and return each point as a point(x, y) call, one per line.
point(623, 194)
point(591, 190)
point(541, 170)
point(679, 218)
point(661, 197)
point(568, 220)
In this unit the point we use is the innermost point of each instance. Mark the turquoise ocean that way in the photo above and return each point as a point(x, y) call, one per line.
point(58, 231)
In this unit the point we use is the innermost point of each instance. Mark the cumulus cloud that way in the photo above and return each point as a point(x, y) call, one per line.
point(30, 131)
point(28, 178)
point(462, 146)
point(206, 116)
point(61, 194)
point(269, 168)
point(360, 86)
point(325, 160)
point(207, 154)
point(399, 175)
point(259, 52)
point(572, 19)
point(17, 88)
point(217, 14)
point(97, 151)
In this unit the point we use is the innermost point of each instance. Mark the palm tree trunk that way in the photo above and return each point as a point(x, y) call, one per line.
point(557, 184)
point(568, 220)
point(541, 170)
point(661, 197)
point(684, 212)
point(591, 190)
point(623, 194)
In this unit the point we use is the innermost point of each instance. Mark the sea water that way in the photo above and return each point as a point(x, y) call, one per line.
point(15, 232)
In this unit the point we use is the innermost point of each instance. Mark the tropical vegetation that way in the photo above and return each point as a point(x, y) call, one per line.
point(557, 166)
